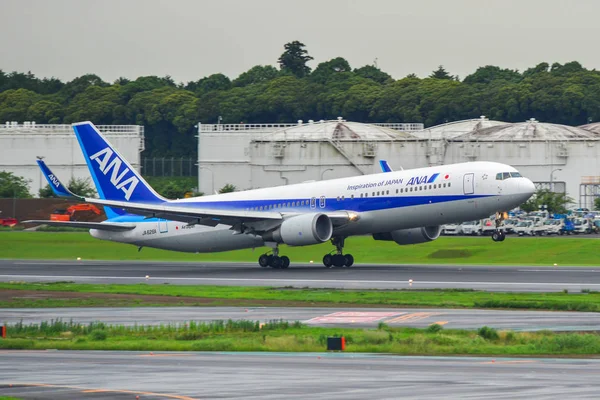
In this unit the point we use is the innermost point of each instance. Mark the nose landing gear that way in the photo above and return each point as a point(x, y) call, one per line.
point(499, 235)
point(338, 259)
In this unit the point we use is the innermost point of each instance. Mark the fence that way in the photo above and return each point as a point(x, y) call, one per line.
point(169, 166)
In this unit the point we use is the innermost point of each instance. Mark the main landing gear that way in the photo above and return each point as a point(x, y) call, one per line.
point(338, 259)
point(499, 235)
point(273, 260)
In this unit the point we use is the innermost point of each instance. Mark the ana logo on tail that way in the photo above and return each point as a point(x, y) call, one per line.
point(54, 180)
point(106, 162)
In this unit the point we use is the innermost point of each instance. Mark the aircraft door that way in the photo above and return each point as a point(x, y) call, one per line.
point(468, 183)
point(163, 227)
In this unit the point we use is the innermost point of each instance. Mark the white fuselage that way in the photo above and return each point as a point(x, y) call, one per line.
point(383, 203)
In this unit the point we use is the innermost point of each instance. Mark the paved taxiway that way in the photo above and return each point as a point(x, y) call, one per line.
point(352, 317)
point(116, 375)
point(493, 278)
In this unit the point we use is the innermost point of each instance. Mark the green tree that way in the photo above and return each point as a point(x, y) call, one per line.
point(228, 188)
point(13, 186)
point(556, 203)
point(597, 204)
point(441, 73)
point(374, 73)
point(294, 59)
point(327, 69)
point(256, 74)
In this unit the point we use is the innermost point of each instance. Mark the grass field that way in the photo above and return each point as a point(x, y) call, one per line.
point(587, 301)
point(296, 337)
point(445, 250)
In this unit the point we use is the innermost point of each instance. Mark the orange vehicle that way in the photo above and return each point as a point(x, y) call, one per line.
point(69, 213)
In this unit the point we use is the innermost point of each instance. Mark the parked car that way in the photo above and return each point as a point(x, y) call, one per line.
point(488, 226)
point(582, 225)
point(525, 227)
point(452, 229)
point(509, 225)
point(471, 228)
point(554, 226)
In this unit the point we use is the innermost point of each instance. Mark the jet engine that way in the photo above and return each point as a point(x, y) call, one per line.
point(411, 236)
point(303, 230)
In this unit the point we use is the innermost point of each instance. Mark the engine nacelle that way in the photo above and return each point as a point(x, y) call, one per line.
point(411, 236)
point(303, 230)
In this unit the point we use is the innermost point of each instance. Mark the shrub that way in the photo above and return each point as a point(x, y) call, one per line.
point(488, 333)
point(434, 328)
point(98, 334)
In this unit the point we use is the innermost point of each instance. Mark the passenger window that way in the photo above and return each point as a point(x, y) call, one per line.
point(387, 192)
point(373, 194)
point(448, 184)
point(396, 191)
point(429, 187)
point(444, 185)
point(366, 194)
point(322, 202)
point(342, 198)
point(351, 197)
point(313, 202)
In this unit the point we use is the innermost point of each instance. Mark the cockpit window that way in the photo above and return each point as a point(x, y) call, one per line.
point(500, 176)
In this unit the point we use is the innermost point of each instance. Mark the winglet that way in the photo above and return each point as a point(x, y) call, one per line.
point(56, 185)
point(385, 167)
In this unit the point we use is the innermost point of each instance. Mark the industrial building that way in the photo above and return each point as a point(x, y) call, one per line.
point(558, 157)
point(263, 155)
point(57, 145)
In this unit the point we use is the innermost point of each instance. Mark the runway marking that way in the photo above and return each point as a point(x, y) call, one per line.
point(413, 317)
point(416, 283)
point(510, 362)
point(346, 317)
point(558, 270)
point(86, 390)
point(164, 355)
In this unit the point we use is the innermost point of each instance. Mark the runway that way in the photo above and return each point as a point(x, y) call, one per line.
point(188, 376)
point(479, 277)
point(346, 317)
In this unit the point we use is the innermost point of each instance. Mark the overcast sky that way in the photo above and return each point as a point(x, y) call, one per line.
point(190, 39)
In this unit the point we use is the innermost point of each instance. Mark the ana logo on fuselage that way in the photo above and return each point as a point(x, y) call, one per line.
point(419, 180)
point(106, 162)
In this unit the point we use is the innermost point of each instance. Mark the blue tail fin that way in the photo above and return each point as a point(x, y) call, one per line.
point(114, 177)
point(57, 187)
point(385, 167)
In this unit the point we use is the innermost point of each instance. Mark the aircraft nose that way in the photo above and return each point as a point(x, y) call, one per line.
point(527, 187)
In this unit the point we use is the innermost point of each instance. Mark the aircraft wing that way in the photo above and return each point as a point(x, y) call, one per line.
point(102, 226)
point(258, 220)
point(192, 215)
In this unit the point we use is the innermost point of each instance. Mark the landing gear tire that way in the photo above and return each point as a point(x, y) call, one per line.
point(276, 262)
point(349, 260)
point(263, 261)
point(285, 261)
point(498, 236)
point(328, 260)
point(339, 260)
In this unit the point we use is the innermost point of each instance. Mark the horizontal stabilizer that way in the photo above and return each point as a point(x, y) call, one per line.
point(101, 226)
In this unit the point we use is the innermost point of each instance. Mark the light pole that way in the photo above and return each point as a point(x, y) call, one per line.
point(212, 179)
point(323, 173)
point(552, 180)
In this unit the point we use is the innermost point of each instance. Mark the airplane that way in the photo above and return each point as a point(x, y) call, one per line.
point(406, 207)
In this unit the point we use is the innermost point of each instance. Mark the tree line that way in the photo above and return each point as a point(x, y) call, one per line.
point(558, 93)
